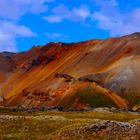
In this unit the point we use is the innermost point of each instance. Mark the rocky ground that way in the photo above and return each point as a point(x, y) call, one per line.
point(96, 124)
point(103, 129)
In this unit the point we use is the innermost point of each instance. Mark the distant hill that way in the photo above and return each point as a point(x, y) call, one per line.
point(61, 74)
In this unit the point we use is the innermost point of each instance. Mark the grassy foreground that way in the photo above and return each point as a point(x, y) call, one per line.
point(50, 125)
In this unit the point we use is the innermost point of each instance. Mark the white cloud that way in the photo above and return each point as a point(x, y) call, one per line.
point(11, 12)
point(61, 12)
point(53, 19)
point(56, 36)
point(14, 9)
point(7, 43)
point(110, 18)
point(82, 12)
point(13, 29)
point(9, 33)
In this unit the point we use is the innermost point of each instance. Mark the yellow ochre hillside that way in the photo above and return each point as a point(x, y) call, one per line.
point(73, 75)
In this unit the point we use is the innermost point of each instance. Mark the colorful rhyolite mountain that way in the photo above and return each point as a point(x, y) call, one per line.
point(92, 73)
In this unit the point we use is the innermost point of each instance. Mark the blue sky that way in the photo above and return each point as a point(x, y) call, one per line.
point(25, 23)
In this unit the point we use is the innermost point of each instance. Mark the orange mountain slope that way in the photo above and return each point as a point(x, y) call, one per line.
point(113, 64)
